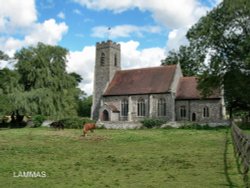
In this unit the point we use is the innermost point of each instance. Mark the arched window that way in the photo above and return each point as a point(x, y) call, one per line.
point(102, 59)
point(205, 111)
point(162, 107)
point(124, 107)
point(183, 111)
point(141, 110)
point(115, 60)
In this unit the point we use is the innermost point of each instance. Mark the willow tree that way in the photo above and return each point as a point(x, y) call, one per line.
point(46, 87)
point(8, 84)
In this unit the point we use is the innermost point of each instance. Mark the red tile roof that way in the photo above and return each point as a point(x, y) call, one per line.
point(113, 108)
point(187, 89)
point(141, 81)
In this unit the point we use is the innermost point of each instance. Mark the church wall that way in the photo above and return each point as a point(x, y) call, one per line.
point(151, 106)
point(177, 76)
point(169, 106)
point(133, 103)
point(116, 101)
point(178, 104)
point(172, 108)
point(197, 106)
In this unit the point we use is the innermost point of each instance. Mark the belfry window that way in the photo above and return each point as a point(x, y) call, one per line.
point(115, 60)
point(162, 107)
point(141, 107)
point(102, 59)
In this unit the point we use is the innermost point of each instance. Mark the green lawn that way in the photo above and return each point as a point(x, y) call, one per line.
point(159, 158)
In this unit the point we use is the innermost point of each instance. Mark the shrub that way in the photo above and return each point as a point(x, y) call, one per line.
point(152, 122)
point(75, 122)
point(201, 127)
point(38, 120)
point(244, 126)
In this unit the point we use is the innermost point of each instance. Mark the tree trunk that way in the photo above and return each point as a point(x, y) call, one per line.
point(231, 115)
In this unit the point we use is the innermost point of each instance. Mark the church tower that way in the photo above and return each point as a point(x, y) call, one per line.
point(107, 62)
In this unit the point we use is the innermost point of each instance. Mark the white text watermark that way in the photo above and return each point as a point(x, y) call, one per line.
point(29, 174)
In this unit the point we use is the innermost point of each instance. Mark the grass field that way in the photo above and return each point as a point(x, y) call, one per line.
point(159, 158)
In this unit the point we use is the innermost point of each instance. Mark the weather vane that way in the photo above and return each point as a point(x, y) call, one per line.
point(109, 33)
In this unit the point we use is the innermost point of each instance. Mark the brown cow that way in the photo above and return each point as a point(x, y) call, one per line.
point(88, 127)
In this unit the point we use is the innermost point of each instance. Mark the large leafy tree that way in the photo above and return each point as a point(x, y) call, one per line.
point(46, 87)
point(3, 56)
point(190, 64)
point(8, 84)
point(223, 37)
point(85, 106)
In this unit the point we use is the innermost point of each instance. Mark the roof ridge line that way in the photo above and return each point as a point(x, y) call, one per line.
point(155, 67)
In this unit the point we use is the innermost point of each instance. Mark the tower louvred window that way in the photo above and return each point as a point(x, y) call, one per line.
point(102, 59)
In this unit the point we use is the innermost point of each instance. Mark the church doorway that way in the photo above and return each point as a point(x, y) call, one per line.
point(105, 115)
point(193, 117)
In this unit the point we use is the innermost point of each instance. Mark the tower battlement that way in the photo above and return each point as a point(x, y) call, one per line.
point(108, 44)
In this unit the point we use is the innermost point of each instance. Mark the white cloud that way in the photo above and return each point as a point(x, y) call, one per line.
point(16, 14)
point(176, 38)
point(123, 31)
point(48, 32)
point(20, 18)
point(172, 14)
point(116, 6)
point(176, 15)
point(82, 62)
point(61, 15)
point(132, 57)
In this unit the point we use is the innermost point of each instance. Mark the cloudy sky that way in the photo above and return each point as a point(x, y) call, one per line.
point(146, 29)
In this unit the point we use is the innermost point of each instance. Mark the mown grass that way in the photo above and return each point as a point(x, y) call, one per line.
point(119, 158)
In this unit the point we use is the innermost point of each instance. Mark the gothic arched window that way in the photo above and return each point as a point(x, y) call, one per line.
point(183, 111)
point(102, 59)
point(162, 107)
point(205, 111)
point(124, 107)
point(141, 107)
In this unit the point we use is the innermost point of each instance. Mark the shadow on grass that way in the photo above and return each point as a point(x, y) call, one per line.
point(229, 181)
point(202, 127)
point(12, 125)
point(226, 161)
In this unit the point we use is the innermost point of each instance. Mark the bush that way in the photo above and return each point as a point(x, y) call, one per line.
point(75, 122)
point(38, 120)
point(151, 122)
point(244, 126)
point(201, 127)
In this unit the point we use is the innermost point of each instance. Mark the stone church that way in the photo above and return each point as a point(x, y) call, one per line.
point(155, 92)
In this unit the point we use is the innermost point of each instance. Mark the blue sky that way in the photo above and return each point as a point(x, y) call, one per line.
point(146, 29)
